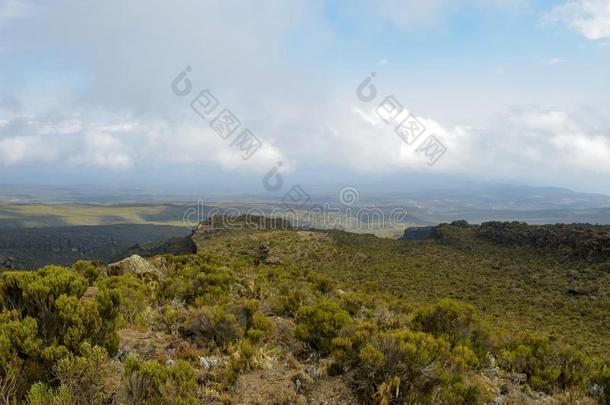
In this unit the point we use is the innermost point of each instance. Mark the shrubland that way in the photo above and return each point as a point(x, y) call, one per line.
point(317, 309)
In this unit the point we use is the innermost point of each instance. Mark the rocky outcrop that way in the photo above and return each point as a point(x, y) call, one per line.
point(136, 265)
point(420, 233)
point(8, 263)
point(175, 246)
point(581, 240)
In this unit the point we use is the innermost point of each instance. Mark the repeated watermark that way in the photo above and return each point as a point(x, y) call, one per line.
point(206, 106)
point(406, 125)
point(295, 202)
point(317, 216)
point(225, 123)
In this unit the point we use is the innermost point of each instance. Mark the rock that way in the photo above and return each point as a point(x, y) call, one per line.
point(314, 372)
point(420, 233)
point(460, 223)
point(519, 378)
point(8, 263)
point(89, 294)
point(175, 246)
point(273, 261)
point(209, 362)
point(135, 265)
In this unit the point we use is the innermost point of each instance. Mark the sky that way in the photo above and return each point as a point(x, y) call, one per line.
point(512, 91)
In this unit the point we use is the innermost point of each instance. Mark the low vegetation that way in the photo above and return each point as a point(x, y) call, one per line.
point(315, 308)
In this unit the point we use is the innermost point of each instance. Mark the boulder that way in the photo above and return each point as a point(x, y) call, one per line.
point(136, 265)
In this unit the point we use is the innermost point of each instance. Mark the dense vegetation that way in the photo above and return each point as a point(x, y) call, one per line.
point(381, 321)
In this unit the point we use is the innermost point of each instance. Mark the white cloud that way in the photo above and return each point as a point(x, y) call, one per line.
point(103, 150)
point(111, 86)
point(532, 144)
point(27, 149)
point(556, 61)
point(409, 14)
point(12, 9)
point(591, 18)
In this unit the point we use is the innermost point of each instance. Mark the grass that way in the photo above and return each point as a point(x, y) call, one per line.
point(31, 215)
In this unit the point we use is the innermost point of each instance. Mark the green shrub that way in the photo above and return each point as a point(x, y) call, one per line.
point(456, 322)
point(92, 271)
point(241, 361)
point(548, 364)
point(150, 382)
point(41, 394)
point(213, 323)
point(134, 296)
point(34, 293)
point(46, 319)
point(323, 284)
point(291, 297)
point(319, 324)
point(261, 326)
point(85, 375)
point(409, 367)
point(191, 278)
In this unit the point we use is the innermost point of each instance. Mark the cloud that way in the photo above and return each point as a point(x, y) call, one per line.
point(103, 150)
point(530, 143)
point(12, 9)
point(591, 18)
point(556, 61)
point(102, 97)
point(26, 149)
point(415, 14)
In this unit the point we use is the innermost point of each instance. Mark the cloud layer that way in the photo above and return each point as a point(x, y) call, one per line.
point(90, 87)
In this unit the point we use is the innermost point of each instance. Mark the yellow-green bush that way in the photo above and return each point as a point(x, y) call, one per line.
point(135, 296)
point(85, 374)
point(548, 364)
point(44, 319)
point(150, 382)
point(410, 367)
point(91, 270)
point(454, 321)
point(319, 324)
point(41, 394)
